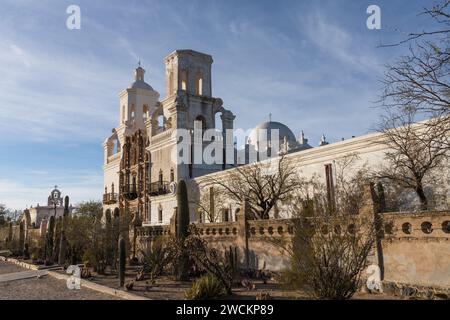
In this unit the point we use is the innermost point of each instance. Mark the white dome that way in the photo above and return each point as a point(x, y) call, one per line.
point(262, 133)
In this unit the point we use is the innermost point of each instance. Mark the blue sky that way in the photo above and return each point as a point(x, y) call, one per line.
point(313, 64)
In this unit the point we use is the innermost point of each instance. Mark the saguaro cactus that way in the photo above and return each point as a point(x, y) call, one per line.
point(21, 237)
point(49, 240)
point(63, 241)
point(122, 260)
point(232, 259)
point(10, 234)
point(26, 251)
point(381, 198)
point(182, 229)
point(57, 239)
point(183, 210)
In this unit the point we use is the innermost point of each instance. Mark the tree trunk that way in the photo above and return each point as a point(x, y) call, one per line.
point(423, 199)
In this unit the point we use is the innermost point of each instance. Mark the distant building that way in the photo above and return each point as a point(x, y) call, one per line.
point(55, 205)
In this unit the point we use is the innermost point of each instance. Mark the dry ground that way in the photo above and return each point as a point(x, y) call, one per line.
point(45, 288)
point(48, 288)
point(167, 289)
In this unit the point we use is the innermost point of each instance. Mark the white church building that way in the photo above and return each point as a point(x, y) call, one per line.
point(141, 171)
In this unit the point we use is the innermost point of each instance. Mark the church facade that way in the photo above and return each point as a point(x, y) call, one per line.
point(140, 173)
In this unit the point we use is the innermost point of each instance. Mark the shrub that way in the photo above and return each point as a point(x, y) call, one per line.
point(207, 287)
point(154, 262)
point(325, 263)
point(210, 260)
point(92, 258)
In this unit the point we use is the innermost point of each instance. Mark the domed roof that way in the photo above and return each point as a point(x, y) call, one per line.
point(141, 85)
point(139, 79)
point(258, 135)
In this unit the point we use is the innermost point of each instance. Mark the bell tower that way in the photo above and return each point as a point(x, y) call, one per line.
point(188, 71)
point(138, 101)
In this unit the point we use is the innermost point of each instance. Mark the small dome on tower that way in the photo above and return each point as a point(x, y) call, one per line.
point(139, 79)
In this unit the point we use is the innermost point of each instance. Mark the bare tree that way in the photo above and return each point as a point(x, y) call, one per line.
point(348, 188)
point(439, 13)
point(420, 80)
point(263, 184)
point(210, 203)
point(416, 150)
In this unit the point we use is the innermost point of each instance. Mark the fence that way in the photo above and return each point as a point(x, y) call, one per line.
point(413, 248)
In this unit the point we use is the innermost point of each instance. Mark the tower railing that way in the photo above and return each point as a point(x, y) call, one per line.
point(159, 188)
point(110, 198)
point(129, 191)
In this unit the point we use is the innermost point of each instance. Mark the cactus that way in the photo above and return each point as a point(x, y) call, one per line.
point(10, 234)
point(122, 258)
point(63, 241)
point(232, 259)
point(182, 230)
point(21, 237)
point(115, 237)
point(49, 241)
point(57, 239)
point(183, 210)
point(381, 198)
point(26, 251)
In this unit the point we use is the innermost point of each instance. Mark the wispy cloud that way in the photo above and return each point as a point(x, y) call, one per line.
point(59, 88)
point(335, 42)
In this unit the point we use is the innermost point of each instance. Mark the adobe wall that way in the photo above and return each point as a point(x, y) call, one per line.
point(258, 242)
point(409, 251)
point(416, 248)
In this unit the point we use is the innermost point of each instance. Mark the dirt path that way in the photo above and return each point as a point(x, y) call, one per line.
point(45, 288)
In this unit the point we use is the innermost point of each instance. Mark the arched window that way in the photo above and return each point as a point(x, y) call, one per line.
point(160, 177)
point(149, 214)
point(236, 212)
point(218, 122)
point(172, 175)
point(145, 112)
point(160, 123)
point(199, 89)
point(200, 122)
point(123, 114)
point(184, 78)
point(108, 216)
point(133, 187)
point(160, 214)
point(132, 113)
point(171, 86)
point(116, 146)
point(225, 217)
